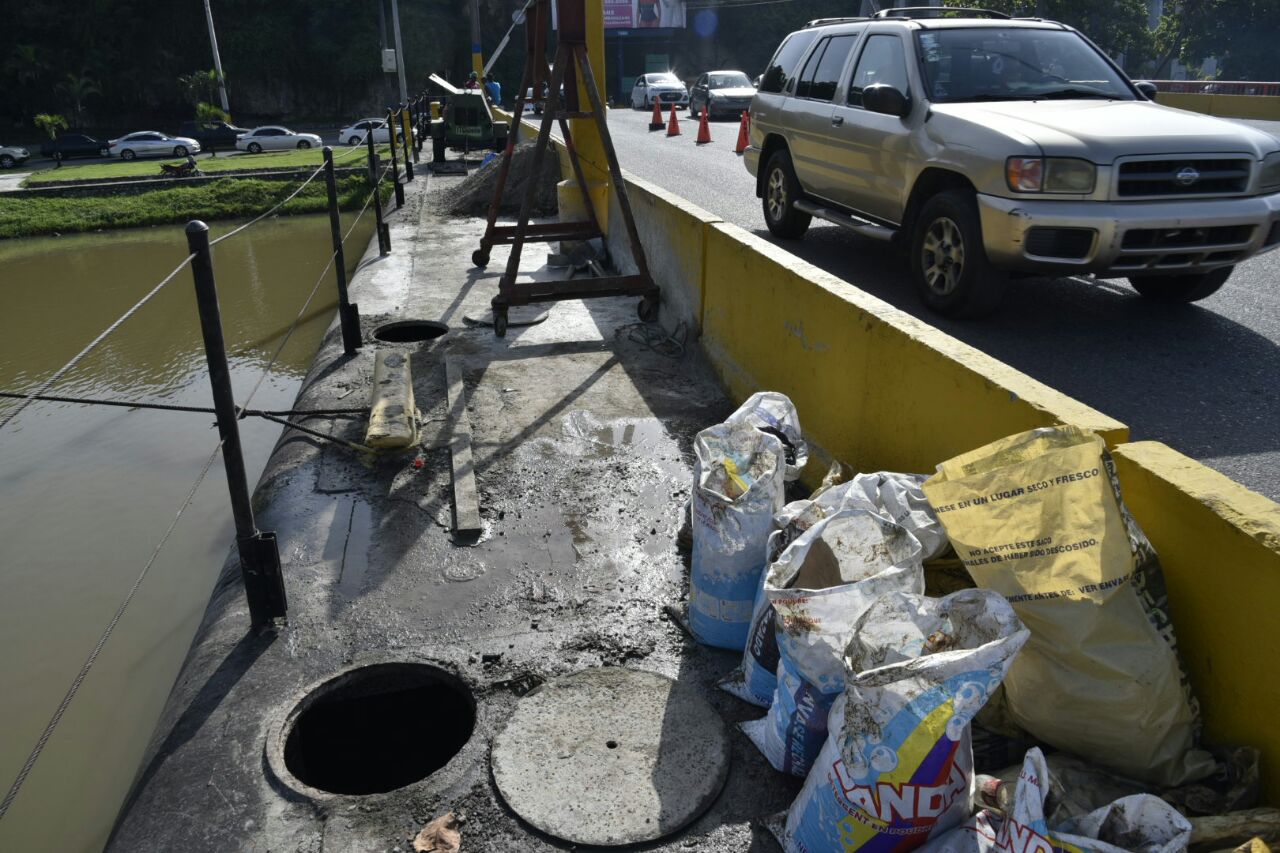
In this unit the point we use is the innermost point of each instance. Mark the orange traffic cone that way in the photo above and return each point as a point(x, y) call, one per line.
point(656, 123)
point(704, 130)
point(743, 133)
point(673, 126)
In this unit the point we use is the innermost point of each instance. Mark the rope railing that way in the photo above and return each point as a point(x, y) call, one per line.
point(248, 537)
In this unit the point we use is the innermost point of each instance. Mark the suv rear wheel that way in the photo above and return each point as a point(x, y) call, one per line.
point(952, 274)
point(1181, 288)
point(781, 190)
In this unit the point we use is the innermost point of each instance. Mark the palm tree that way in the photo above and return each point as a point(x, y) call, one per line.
point(78, 88)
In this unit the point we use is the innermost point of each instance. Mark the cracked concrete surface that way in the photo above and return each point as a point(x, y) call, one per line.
point(582, 446)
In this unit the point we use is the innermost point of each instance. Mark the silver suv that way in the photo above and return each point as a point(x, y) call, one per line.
point(986, 146)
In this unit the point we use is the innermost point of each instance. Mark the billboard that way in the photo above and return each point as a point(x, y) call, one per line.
point(643, 14)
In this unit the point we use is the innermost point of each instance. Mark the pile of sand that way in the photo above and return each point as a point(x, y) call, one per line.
point(472, 196)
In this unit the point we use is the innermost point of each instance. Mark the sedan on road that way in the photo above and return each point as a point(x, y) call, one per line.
point(275, 138)
point(151, 142)
point(664, 87)
point(721, 93)
point(354, 133)
point(70, 145)
point(13, 155)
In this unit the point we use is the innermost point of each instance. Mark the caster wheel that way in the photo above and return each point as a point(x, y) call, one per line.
point(500, 323)
point(648, 309)
point(480, 257)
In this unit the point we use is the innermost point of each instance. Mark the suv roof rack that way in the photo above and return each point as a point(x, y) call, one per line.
point(940, 12)
point(822, 22)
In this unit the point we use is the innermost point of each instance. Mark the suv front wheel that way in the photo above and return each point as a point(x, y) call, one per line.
point(781, 190)
point(1181, 288)
point(952, 274)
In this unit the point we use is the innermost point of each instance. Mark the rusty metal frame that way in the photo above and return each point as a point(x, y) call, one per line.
point(571, 63)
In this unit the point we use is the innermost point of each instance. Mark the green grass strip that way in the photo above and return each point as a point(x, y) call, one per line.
point(232, 198)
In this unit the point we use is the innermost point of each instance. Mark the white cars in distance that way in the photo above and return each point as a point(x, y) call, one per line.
point(275, 138)
point(663, 87)
point(152, 143)
point(13, 155)
point(354, 134)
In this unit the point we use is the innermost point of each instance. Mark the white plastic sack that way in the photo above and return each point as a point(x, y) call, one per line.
point(896, 497)
point(819, 587)
point(739, 488)
point(756, 678)
point(897, 766)
point(774, 413)
point(1140, 823)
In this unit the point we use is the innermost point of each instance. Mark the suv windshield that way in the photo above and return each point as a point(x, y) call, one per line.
point(1015, 64)
point(736, 80)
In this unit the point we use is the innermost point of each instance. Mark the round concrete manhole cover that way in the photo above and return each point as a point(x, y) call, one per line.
point(610, 757)
point(517, 315)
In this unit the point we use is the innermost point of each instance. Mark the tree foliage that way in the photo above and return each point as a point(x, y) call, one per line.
point(50, 123)
point(1116, 26)
point(1240, 34)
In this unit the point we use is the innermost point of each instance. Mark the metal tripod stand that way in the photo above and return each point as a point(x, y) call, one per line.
point(570, 61)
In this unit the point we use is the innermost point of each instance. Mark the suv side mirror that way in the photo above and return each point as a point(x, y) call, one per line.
point(1147, 88)
point(883, 98)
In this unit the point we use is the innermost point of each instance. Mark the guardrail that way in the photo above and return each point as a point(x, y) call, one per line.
point(1218, 87)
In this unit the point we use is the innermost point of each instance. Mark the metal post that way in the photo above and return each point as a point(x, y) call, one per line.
point(217, 59)
point(395, 29)
point(259, 554)
point(407, 125)
point(395, 163)
point(348, 314)
point(384, 233)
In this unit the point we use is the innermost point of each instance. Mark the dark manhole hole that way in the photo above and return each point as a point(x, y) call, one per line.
point(378, 728)
point(409, 331)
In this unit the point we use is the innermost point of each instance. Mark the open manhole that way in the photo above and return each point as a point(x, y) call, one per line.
point(378, 728)
point(409, 331)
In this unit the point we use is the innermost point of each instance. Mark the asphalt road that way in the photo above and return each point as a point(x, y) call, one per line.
point(1203, 378)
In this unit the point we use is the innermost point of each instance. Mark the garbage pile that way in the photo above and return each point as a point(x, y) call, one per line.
point(873, 691)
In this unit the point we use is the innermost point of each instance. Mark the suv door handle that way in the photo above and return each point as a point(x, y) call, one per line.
point(836, 121)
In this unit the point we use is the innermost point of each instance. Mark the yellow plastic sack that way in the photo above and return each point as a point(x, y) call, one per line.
point(1037, 517)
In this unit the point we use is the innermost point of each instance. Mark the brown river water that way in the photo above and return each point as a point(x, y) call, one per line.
point(87, 492)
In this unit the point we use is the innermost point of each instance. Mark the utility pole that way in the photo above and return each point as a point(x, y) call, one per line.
point(395, 26)
point(477, 59)
point(217, 60)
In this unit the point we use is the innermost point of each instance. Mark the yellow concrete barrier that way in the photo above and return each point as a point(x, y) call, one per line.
point(875, 387)
point(1219, 544)
point(1265, 107)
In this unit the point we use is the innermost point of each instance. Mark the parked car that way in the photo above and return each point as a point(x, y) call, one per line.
point(986, 147)
point(664, 87)
point(12, 155)
point(275, 138)
point(721, 93)
point(154, 143)
point(212, 134)
point(70, 145)
point(354, 133)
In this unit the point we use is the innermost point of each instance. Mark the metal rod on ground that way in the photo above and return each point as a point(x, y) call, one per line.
point(395, 163)
point(348, 314)
point(405, 141)
point(384, 234)
point(259, 554)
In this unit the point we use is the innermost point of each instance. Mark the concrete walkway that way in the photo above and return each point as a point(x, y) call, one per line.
point(582, 444)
